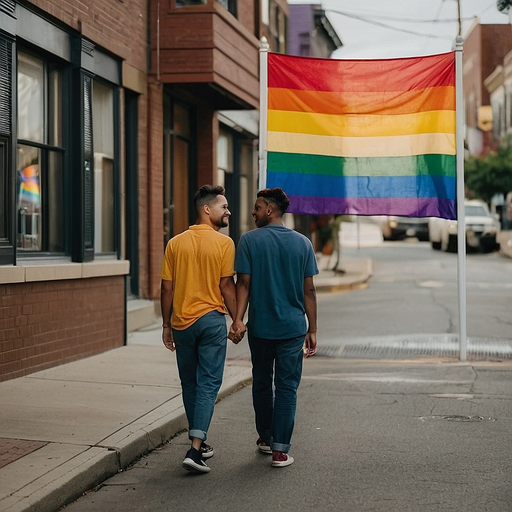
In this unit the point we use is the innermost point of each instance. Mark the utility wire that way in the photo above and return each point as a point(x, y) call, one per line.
point(366, 17)
point(436, 20)
point(371, 21)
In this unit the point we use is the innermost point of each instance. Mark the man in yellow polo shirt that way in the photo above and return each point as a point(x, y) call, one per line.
point(197, 291)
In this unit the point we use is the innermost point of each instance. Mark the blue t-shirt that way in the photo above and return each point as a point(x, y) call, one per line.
point(278, 259)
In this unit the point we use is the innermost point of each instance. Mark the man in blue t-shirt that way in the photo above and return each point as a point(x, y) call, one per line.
point(275, 267)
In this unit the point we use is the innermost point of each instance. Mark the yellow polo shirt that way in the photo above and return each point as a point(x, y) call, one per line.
point(195, 261)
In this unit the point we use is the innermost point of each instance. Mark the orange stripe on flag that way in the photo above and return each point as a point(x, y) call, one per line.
point(377, 103)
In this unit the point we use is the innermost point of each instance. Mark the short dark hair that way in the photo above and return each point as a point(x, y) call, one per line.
point(206, 195)
point(275, 196)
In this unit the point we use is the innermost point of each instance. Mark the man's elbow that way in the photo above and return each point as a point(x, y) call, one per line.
point(310, 291)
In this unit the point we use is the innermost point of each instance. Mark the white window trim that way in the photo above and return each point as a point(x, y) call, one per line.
point(52, 271)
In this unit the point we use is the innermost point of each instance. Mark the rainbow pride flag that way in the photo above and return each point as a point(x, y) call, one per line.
point(29, 185)
point(365, 137)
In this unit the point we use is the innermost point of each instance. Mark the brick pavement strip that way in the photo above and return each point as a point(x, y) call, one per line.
point(14, 449)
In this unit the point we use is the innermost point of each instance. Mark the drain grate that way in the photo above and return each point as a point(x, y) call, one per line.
point(329, 351)
point(401, 347)
point(396, 352)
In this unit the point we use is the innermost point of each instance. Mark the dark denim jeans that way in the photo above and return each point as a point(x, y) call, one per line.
point(201, 354)
point(277, 370)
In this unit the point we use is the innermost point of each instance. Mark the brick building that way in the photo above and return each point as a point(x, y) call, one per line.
point(112, 112)
point(485, 47)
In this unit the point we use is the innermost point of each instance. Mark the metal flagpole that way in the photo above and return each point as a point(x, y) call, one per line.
point(461, 215)
point(262, 150)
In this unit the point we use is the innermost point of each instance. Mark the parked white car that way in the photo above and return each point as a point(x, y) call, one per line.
point(398, 228)
point(481, 229)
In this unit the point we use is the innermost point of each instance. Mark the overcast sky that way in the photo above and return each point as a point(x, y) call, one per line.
point(371, 29)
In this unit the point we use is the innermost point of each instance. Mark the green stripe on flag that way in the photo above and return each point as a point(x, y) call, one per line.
point(432, 165)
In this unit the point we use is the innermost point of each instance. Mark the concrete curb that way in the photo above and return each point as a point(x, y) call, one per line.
point(64, 483)
point(69, 480)
point(355, 278)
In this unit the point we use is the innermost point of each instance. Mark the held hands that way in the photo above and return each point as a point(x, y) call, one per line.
point(236, 332)
point(168, 339)
point(310, 344)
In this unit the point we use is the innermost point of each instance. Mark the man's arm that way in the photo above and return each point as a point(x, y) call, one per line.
point(310, 343)
point(228, 292)
point(166, 298)
point(243, 286)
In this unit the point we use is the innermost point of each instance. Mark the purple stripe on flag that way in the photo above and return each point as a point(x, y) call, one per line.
point(401, 206)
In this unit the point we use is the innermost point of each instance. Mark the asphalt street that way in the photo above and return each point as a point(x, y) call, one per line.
point(380, 436)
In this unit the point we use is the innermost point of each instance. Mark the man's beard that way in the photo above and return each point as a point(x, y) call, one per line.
point(260, 222)
point(222, 222)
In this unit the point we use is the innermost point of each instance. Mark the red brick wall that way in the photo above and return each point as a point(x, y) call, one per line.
point(118, 26)
point(247, 16)
point(151, 236)
point(43, 324)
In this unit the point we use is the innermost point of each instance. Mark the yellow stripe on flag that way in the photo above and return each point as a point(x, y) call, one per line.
point(439, 121)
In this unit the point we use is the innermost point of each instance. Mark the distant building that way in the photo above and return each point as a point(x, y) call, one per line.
point(485, 48)
point(310, 32)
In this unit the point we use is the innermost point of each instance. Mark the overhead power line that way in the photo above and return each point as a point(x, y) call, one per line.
point(372, 21)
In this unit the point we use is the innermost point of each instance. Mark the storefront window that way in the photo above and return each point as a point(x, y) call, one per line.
point(31, 94)
point(39, 183)
point(104, 182)
point(29, 198)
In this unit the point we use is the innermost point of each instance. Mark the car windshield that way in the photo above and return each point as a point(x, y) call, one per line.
point(475, 211)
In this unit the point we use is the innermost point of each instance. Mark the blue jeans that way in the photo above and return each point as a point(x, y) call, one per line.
point(201, 354)
point(276, 372)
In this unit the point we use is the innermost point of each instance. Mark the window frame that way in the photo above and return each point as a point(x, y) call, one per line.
point(115, 168)
point(45, 149)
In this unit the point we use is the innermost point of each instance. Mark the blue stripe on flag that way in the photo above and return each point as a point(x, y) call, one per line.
point(441, 187)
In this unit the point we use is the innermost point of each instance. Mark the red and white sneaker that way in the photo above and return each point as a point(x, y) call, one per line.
point(263, 447)
point(281, 459)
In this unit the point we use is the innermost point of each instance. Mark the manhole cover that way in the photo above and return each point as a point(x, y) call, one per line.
point(456, 417)
point(459, 418)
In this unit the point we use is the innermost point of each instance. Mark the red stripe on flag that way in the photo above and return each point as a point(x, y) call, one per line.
point(406, 74)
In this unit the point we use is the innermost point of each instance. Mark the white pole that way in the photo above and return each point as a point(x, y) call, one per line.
point(358, 233)
point(461, 215)
point(262, 151)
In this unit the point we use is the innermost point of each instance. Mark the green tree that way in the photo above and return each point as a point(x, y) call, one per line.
point(503, 5)
point(489, 175)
